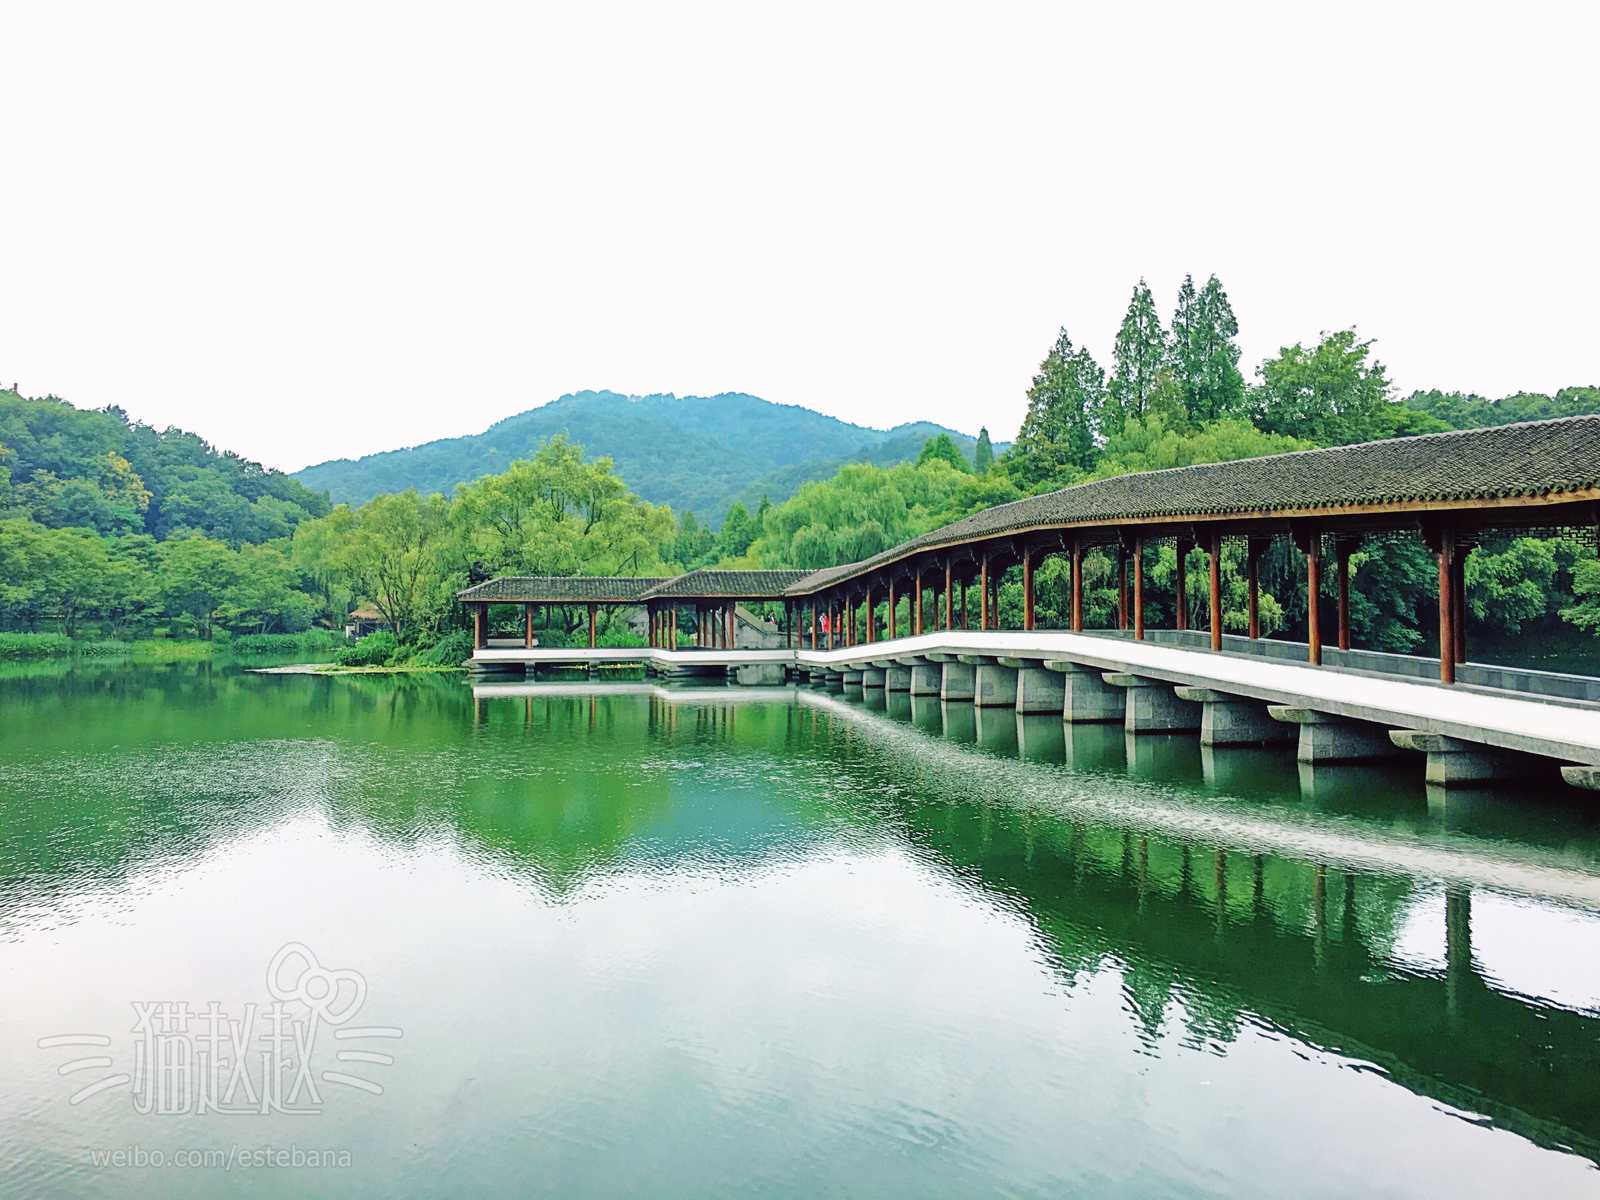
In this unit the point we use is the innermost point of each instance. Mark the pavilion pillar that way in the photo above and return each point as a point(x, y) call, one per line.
point(872, 618)
point(1313, 599)
point(733, 626)
point(1027, 587)
point(949, 600)
point(1253, 556)
point(480, 626)
point(833, 623)
point(1342, 550)
point(1215, 554)
point(1447, 604)
point(813, 623)
point(917, 622)
point(1122, 587)
point(983, 593)
point(1077, 585)
point(1180, 580)
point(994, 598)
point(891, 608)
point(1460, 593)
point(1138, 589)
point(594, 610)
point(527, 627)
point(966, 585)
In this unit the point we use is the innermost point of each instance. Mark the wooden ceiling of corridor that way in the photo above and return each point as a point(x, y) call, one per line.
point(1504, 475)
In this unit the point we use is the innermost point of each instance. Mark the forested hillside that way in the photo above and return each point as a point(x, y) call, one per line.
point(693, 453)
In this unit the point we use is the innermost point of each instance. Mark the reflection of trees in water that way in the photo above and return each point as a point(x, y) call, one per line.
point(1207, 942)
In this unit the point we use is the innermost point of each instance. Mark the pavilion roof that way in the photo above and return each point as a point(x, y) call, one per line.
point(563, 589)
point(1529, 459)
point(720, 585)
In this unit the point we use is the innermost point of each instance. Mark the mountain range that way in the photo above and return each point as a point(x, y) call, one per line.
point(696, 453)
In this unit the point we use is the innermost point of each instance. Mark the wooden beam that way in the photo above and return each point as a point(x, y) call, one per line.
point(1138, 589)
point(1027, 587)
point(1215, 555)
point(1447, 604)
point(1077, 585)
point(1313, 600)
point(1253, 557)
point(983, 597)
point(1181, 582)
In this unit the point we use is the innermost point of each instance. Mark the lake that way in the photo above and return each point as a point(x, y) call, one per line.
point(378, 936)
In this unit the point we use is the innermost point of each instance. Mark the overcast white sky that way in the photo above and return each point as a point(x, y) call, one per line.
point(308, 231)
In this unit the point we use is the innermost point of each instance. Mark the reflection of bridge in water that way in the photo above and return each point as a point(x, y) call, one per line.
point(1220, 912)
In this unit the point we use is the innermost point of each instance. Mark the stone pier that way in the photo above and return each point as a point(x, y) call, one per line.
point(897, 678)
point(1230, 720)
point(1326, 738)
point(872, 677)
point(1152, 706)
point(1038, 690)
point(925, 676)
point(956, 682)
point(993, 686)
point(1452, 761)
point(1086, 696)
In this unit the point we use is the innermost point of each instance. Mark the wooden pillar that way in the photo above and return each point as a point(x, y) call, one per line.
point(872, 618)
point(917, 621)
point(949, 599)
point(813, 623)
point(527, 627)
point(594, 609)
point(480, 626)
point(1447, 605)
point(965, 584)
point(1215, 555)
point(1077, 585)
point(1138, 589)
point(1314, 599)
point(833, 622)
point(1027, 587)
point(1460, 593)
point(1122, 586)
point(1342, 551)
point(891, 607)
point(994, 598)
point(1253, 555)
point(983, 593)
point(1181, 582)
point(733, 626)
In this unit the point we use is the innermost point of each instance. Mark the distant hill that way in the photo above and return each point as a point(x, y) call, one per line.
point(695, 453)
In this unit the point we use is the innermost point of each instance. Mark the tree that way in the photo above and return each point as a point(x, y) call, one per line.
point(1331, 395)
point(983, 453)
point(395, 557)
point(942, 449)
point(196, 574)
point(1205, 358)
point(266, 597)
point(1138, 356)
point(738, 531)
point(1057, 439)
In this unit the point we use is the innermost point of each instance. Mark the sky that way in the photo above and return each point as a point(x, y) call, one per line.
point(308, 231)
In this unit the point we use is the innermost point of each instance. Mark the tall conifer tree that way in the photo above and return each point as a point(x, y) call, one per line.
point(1139, 354)
point(1057, 438)
point(1205, 358)
point(983, 452)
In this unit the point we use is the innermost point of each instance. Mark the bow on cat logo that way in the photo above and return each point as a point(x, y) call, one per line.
point(262, 1061)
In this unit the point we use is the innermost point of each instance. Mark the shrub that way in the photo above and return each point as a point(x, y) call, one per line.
point(620, 637)
point(103, 649)
point(34, 645)
point(374, 650)
point(286, 643)
point(555, 639)
point(449, 651)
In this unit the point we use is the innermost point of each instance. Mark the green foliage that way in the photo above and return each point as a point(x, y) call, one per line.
point(34, 645)
point(857, 513)
point(1057, 439)
point(1585, 613)
point(738, 531)
point(197, 575)
point(451, 650)
point(944, 450)
point(1330, 395)
point(1138, 356)
point(304, 642)
point(1456, 410)
point(1149, 445)
point(375, 650)
point(983, 453)
point(1205, 358)
point(1513, 585)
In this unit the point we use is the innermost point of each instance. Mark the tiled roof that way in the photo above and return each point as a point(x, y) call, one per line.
point(1534, 458)
point(563, 589)
point(753, 585)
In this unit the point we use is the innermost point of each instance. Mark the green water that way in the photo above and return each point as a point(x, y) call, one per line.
point(626, 941)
